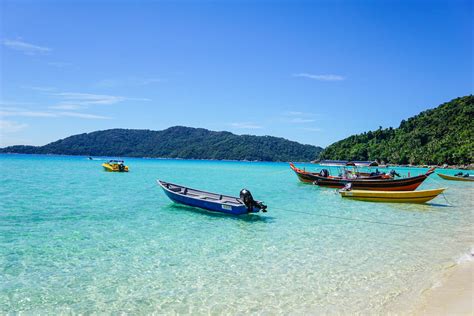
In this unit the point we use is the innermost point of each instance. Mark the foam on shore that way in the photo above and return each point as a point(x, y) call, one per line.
point(453, 294)
point(466, 257)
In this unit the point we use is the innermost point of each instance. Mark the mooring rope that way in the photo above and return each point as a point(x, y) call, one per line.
point(345, 218)
point(441, 183)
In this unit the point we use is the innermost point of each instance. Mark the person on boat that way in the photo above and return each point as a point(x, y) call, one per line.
point(393, 173)
point(121, 166)
point(324, 173)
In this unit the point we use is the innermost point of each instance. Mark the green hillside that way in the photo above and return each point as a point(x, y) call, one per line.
point(176, 142)
point(437, 136)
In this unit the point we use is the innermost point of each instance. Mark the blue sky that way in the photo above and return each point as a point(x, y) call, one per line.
point(310, 71)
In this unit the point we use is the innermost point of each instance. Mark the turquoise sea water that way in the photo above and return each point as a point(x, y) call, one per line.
point(74, 238)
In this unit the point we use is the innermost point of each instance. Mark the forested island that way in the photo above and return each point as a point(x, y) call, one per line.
point(175, 142)
point(444, 135)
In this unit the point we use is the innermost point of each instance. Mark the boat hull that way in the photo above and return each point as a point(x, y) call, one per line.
point(404, 184)
point(421, 196)
point(235, 207)
point(454, 178)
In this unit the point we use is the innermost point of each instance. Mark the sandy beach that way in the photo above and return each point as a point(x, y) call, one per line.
point(453, 296)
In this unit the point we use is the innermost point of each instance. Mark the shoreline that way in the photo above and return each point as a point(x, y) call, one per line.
point(452, 167)
point(452, 295)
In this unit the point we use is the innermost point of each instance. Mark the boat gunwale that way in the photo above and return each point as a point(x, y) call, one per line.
point(393, 194)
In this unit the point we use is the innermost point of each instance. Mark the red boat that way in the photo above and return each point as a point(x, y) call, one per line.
point(403, 184)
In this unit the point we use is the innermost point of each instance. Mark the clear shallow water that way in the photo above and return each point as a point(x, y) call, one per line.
point(76, 239)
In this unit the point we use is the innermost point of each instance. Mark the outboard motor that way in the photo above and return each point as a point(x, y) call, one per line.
point(248, 200)
point(324, 173)
point(393, 173)
point(347, 187)
point(121, 167)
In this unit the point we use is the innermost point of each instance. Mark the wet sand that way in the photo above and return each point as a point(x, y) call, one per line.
point(453, 296)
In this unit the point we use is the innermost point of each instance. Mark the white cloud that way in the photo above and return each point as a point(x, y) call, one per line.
point(48, 114)
point(93, 99)
point(25, 113)
point(299, 120)
point(11, 126)
point(26, 48)
point(84, 115)
point(88, 98)
point(298, 113)
point(245, 125)
point(327, 77)
point(66, 106)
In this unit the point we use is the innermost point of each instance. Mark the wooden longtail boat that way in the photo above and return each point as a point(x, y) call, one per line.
point(403, 184)
point(358, 174)
point(212, 201)
point(421, 196)
point(456, 178)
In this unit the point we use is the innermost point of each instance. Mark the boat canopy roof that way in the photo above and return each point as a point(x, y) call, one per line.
point(362, 163)
point(353, 163)
point(117, 161)
point(333, 162)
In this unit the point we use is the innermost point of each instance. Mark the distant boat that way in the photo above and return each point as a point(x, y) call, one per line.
point(421, 196)
point(212, 201)
point(115, 166)
point(459, 177)
point(403, 184)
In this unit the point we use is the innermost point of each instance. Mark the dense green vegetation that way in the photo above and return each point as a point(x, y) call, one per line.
point(437, 136)
point(176, 142)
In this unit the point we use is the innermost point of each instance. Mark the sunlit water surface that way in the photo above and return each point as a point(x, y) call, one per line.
point(74, 238)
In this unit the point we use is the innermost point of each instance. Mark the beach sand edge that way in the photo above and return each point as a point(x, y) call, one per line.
point(454, 295)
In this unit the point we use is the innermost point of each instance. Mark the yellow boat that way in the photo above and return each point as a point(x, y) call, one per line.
point(421, 196)
point(456, 178)
point(115, 166)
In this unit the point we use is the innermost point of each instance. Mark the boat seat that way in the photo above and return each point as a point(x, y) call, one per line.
point(230, 202)
point(205, 197)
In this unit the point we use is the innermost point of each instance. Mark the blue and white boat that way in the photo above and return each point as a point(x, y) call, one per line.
point(245, 204)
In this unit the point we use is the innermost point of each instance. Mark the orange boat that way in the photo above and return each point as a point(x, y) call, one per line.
point(403, 184)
